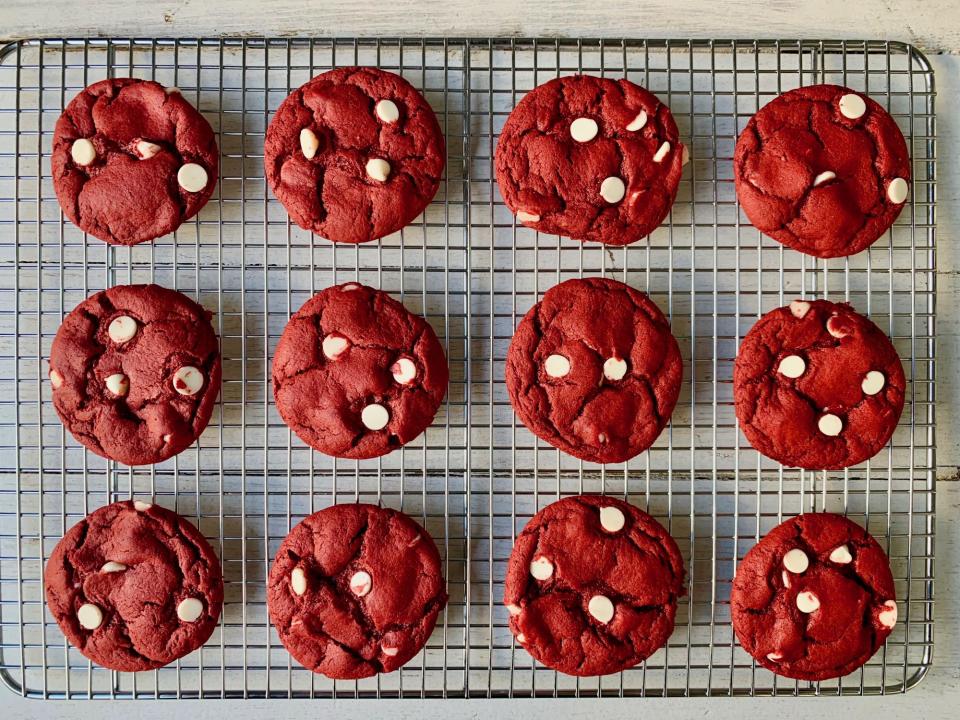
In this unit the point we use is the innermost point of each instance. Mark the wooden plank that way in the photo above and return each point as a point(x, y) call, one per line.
point(932, 25)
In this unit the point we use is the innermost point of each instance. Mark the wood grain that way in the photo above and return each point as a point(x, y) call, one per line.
point(932, 25)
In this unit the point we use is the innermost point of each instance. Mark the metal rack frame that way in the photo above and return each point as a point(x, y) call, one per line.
point(477, 475)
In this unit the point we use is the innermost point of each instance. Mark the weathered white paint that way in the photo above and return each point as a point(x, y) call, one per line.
point(933, 26)
point(929, 24)
point(934, 699)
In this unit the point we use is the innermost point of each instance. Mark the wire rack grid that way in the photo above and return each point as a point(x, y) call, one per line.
point(477, 475)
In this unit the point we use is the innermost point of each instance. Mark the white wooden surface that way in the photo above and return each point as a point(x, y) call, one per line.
point(925, 23)
point(933, 26)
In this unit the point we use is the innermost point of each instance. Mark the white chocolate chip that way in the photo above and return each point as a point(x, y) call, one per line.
point(792, 366)
point(830, 425)
point(112, 567)
point(172, 89)
point(541, 568)
point(785, 576)
point(346, 287)
point(404, 371)
point(190, 609)
point(614, 368)
point(513, 609)
point(612, 519)
point(638, 122)
point(807, 602)
point(56, 379)
point(584, 129)
point(684, 155)
point(834, 328)
point(523, 216)
point(873, 382)
point(192, 177)
point(602, 438)
point(146, 149)
point(141, 506)
point(334, 346)
point(521, 638)
point(375, 417)
point(309, 143)
point(888, 616)
point(118, 384)
point(841, 555)
point(387, 111)
point(612, 189)
point(83, 152)
point(796, 561)
point(166, 438)
point(188, 380)
point(122, 329)
point(389, 651)
point(298, 581)
point(799, 308)
point(378, 169)
point(823, 177)
point(852, 106)
point(774, 657)
point(556, 366)
point(90, 616)
point(661, 152)
point(361, 583)
point(897, 191)
point(416, 539)
point(601, 607)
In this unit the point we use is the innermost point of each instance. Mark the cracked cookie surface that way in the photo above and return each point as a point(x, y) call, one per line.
point(135, 373)
point(354, 154)
point(134, 586)
point(823, 170)
point(815, 598)
point(356, 374)
point(355, 590)
point(118, 149)
point(592, 585)
point(590, 158)
point(817, 386)
point(594, 370)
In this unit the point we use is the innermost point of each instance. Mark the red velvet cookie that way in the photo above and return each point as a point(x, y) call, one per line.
point(354, 154)
point(132, 160)
point(593, 370)
point(135, 371)
point(355, 590)
point(591, 159)
point(817, 386)
point(134, 586)
point(814, 599)
point(356, 374)
point(822, 169)
point(592, 585)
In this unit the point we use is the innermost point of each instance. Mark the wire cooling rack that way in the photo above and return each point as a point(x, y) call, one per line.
point(477, 475)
